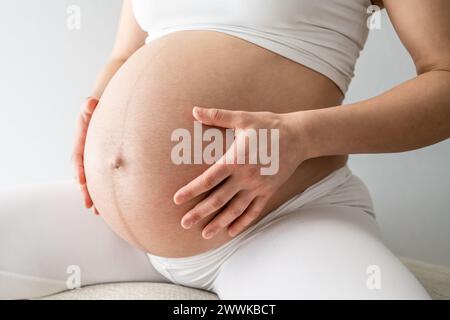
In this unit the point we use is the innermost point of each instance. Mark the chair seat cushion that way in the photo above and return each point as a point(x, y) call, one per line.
point(134, 291)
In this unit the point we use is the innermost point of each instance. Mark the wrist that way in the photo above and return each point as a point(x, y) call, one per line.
point(296, 124)
point(323, 131)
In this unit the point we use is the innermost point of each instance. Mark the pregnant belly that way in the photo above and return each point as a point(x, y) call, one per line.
point(129, 171)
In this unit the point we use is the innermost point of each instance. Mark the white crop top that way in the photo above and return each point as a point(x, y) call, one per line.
point(324, 35)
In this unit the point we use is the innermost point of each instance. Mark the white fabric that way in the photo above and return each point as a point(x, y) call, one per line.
point(435, 279)
point(326, 36)
point(44, 230)
point(317, 245)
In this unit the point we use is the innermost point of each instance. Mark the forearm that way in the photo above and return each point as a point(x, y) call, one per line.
point(413, 115)
point(104, 76)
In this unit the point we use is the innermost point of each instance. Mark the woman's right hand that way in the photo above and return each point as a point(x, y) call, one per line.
point(86, 112)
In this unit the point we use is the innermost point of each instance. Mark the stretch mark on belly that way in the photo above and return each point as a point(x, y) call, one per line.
point(118, 164)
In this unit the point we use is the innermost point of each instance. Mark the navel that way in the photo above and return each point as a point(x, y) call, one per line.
point(116, 162)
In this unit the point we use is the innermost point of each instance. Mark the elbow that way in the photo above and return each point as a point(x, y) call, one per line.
point(434, 69)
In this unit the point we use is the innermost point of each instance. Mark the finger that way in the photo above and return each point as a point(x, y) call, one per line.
point(81, 175)
point(233, 211)
point(218, 117)
point(78, 152)
point(79, 143)
point(79, 168)
point(250, 215)
point(87, 198)
point(89, 106)
point(81, 130)
point(214, 175)
point(87, 110)
point(213, 202)
point(80, 139)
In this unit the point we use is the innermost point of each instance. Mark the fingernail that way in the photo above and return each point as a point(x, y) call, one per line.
point(187, 224)
point(177, 199)
point(196, 110)
point(209, 234)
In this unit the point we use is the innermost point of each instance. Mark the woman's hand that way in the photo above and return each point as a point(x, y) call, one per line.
point(243, 191)
point(87, 109)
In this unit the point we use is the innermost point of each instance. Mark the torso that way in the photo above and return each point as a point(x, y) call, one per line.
point(130, 175)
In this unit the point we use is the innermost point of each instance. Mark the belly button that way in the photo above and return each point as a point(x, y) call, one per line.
point(116, 163)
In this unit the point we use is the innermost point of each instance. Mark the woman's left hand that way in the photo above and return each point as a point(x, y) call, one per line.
point(243, 191)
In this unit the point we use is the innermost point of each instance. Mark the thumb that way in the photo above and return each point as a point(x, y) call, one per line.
point(217, 117)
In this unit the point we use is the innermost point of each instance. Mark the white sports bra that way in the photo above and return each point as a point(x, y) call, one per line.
point(324, 35)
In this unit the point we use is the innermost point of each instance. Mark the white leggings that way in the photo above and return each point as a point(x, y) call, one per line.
point(328, 248)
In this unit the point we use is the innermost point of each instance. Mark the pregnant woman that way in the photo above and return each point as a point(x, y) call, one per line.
point(307, 231)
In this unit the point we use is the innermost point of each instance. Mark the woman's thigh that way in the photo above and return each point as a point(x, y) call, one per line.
point(49, 242)
point(322, 252)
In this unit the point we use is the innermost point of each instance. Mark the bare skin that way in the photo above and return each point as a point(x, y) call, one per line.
point(129, 175)
point(415, 114)
point(129, 172)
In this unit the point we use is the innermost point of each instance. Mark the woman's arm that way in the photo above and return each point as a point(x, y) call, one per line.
point(414, 114)
point(129, 38)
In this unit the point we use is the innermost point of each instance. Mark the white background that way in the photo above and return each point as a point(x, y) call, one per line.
point(46, 70)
